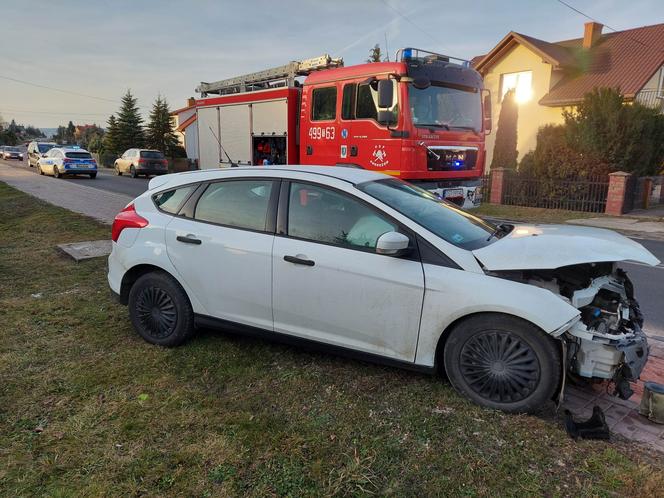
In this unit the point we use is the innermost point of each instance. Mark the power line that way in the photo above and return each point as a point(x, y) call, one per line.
point(25, 111)
point(562, 2)
point(58, 89)
point(38, 85)
point(401, 14)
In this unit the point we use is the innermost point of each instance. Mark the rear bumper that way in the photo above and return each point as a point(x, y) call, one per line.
point(152, 171)
point(78, 171)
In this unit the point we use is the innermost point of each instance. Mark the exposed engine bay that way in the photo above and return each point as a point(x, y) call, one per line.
point(606, 342)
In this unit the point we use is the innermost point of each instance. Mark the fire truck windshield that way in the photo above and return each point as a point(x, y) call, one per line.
point(445, 106)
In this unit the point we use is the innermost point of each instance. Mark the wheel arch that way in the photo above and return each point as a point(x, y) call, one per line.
point(439, 364)
point(134, 273)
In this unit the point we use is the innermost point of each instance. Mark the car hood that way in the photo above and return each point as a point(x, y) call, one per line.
point(542, 247)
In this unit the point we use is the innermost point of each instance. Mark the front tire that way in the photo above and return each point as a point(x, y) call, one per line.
point(117, 170)
point(502, 362)
point(160, 310)
point(39, 169)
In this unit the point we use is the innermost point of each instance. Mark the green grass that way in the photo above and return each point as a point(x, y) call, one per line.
point(89, 409)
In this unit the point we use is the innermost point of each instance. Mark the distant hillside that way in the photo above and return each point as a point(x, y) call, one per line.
point(49, 132)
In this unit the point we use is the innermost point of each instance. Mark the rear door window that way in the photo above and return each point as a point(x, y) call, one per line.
point(236, 203)
point(171, 200)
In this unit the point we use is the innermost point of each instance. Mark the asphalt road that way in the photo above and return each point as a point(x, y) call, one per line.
point(648, 281)
point(106, 180)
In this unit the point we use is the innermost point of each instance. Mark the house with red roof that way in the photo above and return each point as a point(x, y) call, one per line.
point(184, 121)
point(551, 76)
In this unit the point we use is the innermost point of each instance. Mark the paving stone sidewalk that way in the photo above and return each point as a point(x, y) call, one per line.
point(622, 416)
point(74, 197)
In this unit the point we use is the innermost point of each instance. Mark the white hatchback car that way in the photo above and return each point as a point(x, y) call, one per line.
point(363, 263)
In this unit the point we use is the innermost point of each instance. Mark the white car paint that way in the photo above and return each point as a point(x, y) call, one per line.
point(552, 246)
point(389, 306)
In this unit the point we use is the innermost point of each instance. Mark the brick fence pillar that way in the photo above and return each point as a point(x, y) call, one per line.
point(615, 200)
point(497, 185)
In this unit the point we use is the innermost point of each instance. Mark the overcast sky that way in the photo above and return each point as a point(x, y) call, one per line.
point(101, 49)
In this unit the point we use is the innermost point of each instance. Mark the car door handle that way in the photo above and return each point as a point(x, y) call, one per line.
point(189, 239)
point(299, 261)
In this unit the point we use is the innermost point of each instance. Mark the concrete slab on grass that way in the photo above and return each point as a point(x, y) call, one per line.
point(87, 250)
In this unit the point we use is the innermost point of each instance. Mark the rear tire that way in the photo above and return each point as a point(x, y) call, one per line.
point(132, 172)
point(160, 310)
point(93, 176)
point(502, 362)
point(56, 172)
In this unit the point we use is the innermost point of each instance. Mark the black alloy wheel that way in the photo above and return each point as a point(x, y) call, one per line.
point(160, 310)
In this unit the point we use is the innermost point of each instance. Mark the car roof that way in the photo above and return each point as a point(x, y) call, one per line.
point(71, 149)
point(351, 175)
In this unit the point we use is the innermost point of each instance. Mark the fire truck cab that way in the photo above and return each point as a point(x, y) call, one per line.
point(422, 118)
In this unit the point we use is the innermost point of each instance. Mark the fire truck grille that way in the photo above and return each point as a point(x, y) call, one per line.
point(452, 160)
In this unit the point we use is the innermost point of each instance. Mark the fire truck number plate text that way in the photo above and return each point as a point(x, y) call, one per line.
point(322, 133)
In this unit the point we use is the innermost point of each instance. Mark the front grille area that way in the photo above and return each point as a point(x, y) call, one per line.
point(452, 159)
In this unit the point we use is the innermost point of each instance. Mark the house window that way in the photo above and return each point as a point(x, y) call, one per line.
point(521, 83)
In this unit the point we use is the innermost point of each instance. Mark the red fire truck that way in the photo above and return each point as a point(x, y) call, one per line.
point(422, 118)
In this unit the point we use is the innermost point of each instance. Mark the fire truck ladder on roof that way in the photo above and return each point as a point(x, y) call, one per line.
point(269, 78)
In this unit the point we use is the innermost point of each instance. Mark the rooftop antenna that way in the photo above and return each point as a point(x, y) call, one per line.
point(387, 50)
point(233, 165)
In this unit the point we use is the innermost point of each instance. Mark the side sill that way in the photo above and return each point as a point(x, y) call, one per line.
point(306, 344)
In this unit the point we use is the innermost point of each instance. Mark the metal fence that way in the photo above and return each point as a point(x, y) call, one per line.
point(581, 194)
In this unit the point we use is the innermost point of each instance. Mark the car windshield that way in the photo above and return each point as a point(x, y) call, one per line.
point(43, 148)
point(78, 155)
point(444, 106)
point(440, 217)
point(12, 149)
point(151, 154)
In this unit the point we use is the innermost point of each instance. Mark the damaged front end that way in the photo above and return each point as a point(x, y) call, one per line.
point(606, 342)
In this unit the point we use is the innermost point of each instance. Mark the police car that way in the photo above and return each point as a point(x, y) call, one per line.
point(70, 160)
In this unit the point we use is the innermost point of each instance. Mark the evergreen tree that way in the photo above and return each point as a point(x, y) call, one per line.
point(129, 124)
point(111, 137)
point(71, 131)
point(375, 54)
point(504, 150)
point(159, 132)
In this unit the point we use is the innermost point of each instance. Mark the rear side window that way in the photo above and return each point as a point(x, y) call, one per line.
point(236, 203)
point(324, 104)
point(171, 200)
point(78, 155)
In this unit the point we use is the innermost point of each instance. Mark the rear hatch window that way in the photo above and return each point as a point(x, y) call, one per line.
point(151, 154)
point(78, 155)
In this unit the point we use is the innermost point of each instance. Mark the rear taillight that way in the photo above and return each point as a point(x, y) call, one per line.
point(67, 161)
point(142, 161)
point(127, 218)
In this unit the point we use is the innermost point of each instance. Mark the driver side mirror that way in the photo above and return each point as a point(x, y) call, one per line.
point(385, 94)
point(392, 244)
